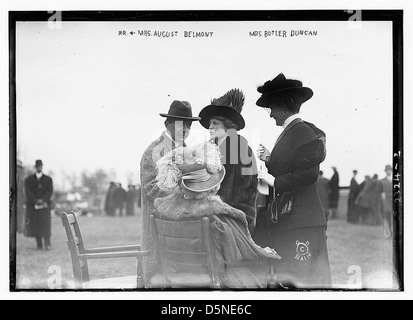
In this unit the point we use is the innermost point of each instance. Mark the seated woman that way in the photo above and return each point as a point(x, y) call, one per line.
point(195, 174)
point(223, 119)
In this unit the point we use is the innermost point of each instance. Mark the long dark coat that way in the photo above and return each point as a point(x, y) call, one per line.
point(299, 236)
point(131, 196)
point(352, 213)
point(370, 202)
point(38, 222)
point(334, 190)
point(119, 197)
point(323, 189)
point(239, 188)
point(109, 202)
point(308, 210)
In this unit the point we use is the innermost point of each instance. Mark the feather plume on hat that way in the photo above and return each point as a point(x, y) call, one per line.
point(234, 98)
point(173, 166)
point(169, 175)
point(228, 106)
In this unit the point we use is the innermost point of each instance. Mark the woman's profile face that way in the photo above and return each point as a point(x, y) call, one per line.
point(279, 115)
point(217, 129)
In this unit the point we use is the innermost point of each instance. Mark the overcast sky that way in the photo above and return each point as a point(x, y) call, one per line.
point(88, 98)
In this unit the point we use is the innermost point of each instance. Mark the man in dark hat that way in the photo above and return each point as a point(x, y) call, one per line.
point(38, 189)
point(298, 230)
point(178, 124)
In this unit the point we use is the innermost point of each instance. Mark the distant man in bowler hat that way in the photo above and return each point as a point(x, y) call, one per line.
point(298, 230)
point(39, 190)
point(178, 125)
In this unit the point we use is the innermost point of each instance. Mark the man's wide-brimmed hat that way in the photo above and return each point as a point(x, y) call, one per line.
point(228, 106)
point(180, 110)
point(281, 88)
point(197, 169)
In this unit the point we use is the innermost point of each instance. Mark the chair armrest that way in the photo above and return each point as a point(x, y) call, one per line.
point(113, 255)
point(113, 249)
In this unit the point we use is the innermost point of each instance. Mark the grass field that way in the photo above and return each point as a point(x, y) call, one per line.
point(351, 249)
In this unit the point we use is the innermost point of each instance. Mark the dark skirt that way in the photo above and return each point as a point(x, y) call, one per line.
point(38, 223)
point(305, 259)
point(262, 232)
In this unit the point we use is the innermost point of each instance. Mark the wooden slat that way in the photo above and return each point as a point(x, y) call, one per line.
point(114, 249)
point(114, 255)
point(182, 244)
point(179, 268)
point(179, 229)
point(72, 218)
point(185, 257)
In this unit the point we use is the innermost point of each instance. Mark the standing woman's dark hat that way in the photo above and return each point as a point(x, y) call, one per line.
point(228, 106)
point(282, 89)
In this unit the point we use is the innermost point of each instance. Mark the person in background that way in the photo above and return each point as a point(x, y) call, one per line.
point(131, 196)
point(139, 196)
point(377, 194)
point(369, 202)
point(119, 200)
point(323, 189)
point(387, 195)
point(178, 125)
point(334, 193)
point(352, 216)
point(39, 190)
point(109, 200)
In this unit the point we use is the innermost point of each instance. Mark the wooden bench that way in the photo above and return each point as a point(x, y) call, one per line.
point(81, 255)
point(194, 265)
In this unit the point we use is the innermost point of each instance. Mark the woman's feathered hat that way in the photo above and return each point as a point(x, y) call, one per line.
point(197, 169)
point(228, 106)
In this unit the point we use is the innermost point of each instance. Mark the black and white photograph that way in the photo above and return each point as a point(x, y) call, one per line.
point(206, 151)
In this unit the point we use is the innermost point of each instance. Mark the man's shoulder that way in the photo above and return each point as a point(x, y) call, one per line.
point(300, 133)
point(155, 143)
point(385, 181)
point(300, 127)
point(156, 150)
point(48, 178)
point(30, 177)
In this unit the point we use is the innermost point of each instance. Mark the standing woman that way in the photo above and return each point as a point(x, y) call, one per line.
point(223, 119)
point(298, 230)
